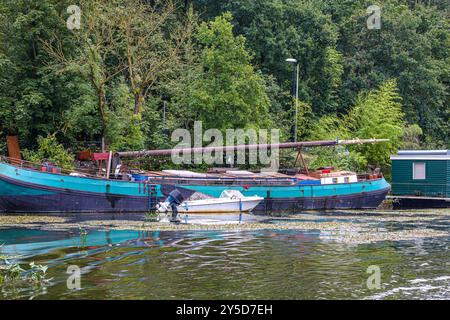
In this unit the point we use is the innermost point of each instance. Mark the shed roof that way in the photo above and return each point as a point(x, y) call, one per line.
point(422, 155)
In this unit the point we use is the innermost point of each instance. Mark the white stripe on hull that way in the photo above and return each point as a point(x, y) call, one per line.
point(222, 205)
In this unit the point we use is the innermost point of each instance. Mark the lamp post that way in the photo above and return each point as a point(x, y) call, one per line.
point(295, 62)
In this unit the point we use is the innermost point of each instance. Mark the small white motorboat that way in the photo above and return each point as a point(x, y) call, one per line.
point(229, 201)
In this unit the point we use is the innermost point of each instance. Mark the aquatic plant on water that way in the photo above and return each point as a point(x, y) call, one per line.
point(151, 216)
point(11, 272)
point(37, 273)
point(83, 236)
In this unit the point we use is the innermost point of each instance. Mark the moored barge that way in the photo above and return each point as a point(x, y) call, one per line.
point(27, 189)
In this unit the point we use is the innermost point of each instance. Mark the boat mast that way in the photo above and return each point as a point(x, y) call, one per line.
point(285, 145)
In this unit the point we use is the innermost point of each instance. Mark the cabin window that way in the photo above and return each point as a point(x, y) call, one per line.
point(335, 180)
point(346, 179)
point(419, 170)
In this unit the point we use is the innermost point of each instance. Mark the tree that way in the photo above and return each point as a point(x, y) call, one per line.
point(96, 46)
point(33, 99)
point(121, 39)
point(225, 91)
point(280, 29)
point(50, 150)
point(376, 114)
point(341, 57)
point(153, 41)
point(412, 137)
point(412, 46)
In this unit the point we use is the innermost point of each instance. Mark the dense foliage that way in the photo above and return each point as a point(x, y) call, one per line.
point(49, 150)
point(136, 70)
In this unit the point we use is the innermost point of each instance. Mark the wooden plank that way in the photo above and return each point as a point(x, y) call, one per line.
point(12, 142)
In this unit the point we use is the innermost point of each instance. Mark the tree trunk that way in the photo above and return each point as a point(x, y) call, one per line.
point(102, 107)
point(138, 102)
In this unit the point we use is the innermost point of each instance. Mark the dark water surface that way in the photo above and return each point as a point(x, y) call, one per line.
point(266, 264)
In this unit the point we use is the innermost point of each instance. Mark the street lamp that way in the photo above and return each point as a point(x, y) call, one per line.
point(295, 62)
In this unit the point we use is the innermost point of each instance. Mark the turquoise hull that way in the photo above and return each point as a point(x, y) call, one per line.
point(25, 190)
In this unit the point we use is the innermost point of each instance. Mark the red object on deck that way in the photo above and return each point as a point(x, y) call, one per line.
point(326, 171)
point(100, 156)
point(300, 176)
point(84, 155)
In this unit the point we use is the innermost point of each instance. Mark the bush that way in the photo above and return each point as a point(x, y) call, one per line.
point(50, 150)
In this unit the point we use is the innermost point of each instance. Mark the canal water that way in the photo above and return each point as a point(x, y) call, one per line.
point(228, 264)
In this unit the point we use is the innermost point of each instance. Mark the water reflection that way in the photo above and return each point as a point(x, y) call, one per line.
point(266, 264)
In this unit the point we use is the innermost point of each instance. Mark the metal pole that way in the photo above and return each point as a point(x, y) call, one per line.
point(296, 103)
point(108, 168)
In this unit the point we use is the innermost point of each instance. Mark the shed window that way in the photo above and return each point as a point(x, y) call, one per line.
point(419, 170)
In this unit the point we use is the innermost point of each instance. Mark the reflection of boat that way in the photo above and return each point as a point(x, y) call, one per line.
point(229, 201)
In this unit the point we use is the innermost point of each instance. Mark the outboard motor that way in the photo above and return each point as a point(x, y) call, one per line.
point(174, 199)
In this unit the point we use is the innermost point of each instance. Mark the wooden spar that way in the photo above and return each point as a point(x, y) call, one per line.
point(285, 145)
point(12, 143)
point(108, 168)
point(299, 155)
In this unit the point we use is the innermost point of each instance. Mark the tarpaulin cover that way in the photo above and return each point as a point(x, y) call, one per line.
point(100, 156)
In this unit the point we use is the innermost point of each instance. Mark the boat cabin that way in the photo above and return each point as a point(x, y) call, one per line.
point(421, 173)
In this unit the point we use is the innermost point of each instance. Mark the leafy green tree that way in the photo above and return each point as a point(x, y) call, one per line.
point(280, 29)
point(33, 99)
point(153, 38)
point(412, 46)
point(338, 157)
point(411, 139)
point(125, 129)
point(377, 113)
point(226, 92)
point(121, 39)
point(340, 57)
